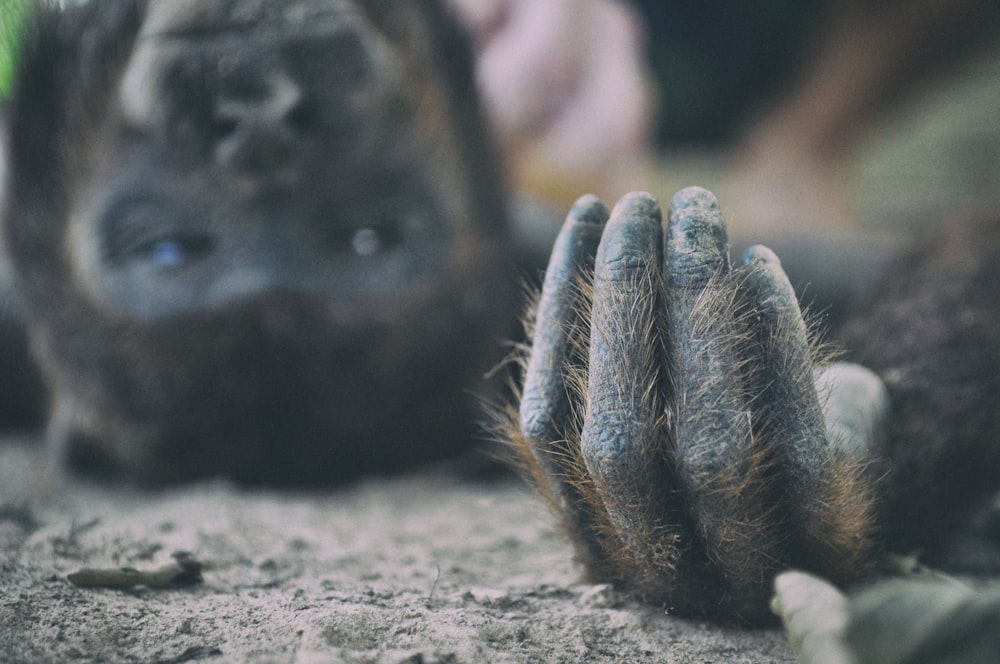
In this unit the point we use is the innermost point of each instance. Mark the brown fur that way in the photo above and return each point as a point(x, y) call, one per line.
point(930, 331)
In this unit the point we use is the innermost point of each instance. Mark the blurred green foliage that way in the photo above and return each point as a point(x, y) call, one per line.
point(12, 13)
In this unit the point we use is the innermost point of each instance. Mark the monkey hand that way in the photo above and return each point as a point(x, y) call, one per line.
point(672, 414)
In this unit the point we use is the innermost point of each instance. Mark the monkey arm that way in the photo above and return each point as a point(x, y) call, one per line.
point(671, 413)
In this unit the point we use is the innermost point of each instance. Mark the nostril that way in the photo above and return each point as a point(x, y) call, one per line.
point(223, 127)
point(302, 118)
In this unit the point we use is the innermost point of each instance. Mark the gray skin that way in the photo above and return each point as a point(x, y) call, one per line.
point(242, 232)
point(674, 412)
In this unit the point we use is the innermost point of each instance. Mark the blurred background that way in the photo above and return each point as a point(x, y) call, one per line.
point(806, 117)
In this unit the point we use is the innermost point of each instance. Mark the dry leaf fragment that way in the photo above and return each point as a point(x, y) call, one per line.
point(182, 570)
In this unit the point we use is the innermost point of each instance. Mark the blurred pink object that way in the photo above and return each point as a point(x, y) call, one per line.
point(565, 84)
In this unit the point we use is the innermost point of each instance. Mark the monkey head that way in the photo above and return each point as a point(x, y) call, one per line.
point(263, 239)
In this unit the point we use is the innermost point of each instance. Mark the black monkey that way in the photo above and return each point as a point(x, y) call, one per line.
point(245, 233)
point(676, 415)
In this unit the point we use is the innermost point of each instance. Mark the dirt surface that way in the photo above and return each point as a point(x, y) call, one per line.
point(428, 567)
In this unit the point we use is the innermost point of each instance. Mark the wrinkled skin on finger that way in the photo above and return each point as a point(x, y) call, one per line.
point(675, 414)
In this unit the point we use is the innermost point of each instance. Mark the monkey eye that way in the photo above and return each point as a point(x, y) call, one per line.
point(174, 251)
point(365, 241)
point(376, 238)
point(370, 241)
point(148, 231)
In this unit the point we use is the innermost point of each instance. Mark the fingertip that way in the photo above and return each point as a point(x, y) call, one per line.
point(632, 237)
point(544, 400)
point(856, 408)
point(760, 255)
point(767, 278)
point(638, 204)
point(588, 209)
point(695, 204)
point(770, 289)
point(697, 243)
point(693, 195)
point(573, 251)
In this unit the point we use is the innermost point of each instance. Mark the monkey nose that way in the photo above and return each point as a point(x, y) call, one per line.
point(257, 124)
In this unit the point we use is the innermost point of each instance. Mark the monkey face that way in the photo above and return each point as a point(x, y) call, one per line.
point(262, 233)
point(245, 165)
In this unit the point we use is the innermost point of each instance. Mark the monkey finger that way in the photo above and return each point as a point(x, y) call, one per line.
point(824, 488)
point(696, 244)
point(856, 409)
point(623, 340)
point(545, 402)
point(623, 434)
point(550, 411)
point(787, 407)
point(724, 468)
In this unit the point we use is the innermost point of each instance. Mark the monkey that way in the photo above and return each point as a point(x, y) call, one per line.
point(243, 235)
point(678, 414)
point(269, 241)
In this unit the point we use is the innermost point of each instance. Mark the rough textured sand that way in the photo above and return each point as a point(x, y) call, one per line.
point(429, 567)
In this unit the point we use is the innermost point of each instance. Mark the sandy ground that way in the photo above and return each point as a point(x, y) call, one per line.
point(428, 567)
